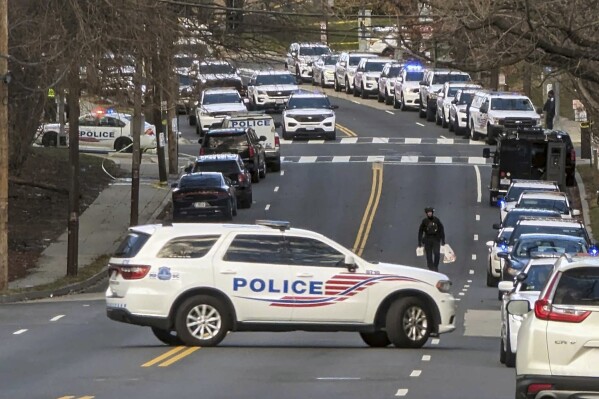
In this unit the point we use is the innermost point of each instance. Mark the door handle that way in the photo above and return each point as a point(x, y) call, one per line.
point(305, 275)
point(228, 272)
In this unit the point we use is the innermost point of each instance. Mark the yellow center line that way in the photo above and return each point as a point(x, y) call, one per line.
point(346, 131)
point(370, 211)
point(180, 356)
point(163, 356)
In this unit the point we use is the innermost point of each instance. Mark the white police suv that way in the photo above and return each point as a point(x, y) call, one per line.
point(309, 115)
point(193, 283)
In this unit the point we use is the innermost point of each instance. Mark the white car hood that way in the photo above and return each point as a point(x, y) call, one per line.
point(227, 76)
point(411, 84)
point(226, 107)
point(308, 111)
point(277, 87)
point(373, 74)
point(328, 67)
point(416, 273)
point(512, 114)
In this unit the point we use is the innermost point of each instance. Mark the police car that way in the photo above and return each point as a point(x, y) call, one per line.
point(102, 131)
point(309, 115)
point(214, 105)
point(406, 93)
point(193, 283)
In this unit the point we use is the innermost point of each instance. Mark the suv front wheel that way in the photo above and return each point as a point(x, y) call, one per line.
point(408, 323)
point(202, 320)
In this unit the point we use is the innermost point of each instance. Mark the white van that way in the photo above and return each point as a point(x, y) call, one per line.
point(264, 125)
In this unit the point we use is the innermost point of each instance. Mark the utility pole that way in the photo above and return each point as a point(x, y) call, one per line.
point(173, 134)
point(136, 125)
point(3, 145)
point(158, 74)
point(73, 222)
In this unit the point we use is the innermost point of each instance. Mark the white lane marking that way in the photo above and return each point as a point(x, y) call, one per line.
point(411, 140)
point(282, 159)
point(389, 112)
point(477, 160)
point(337, 378)
point(349, 140)
point(267, 207)
point(282, 172)
point(466, 285)
point(355, 102)
point(316, 142)
point(86, 305)
point(375, 158)
point(276, 189)
point(469, 281)
point(465, 289)
point(340, 158)
point(435, 341)
point(471, 271)
point(479, 193)
point(461, 293)
point(56, 318)
point(307, 159)
point(426, 358)
point(482, 323)
point(420, 124)
point(409, 159)
point(415, 373)
point(477, 217)
point(445, 138)
point(476, 237)
point(380, 140)
point(18, 332)
point(458, 299)
point(443, 159)
point(473, 256)
point(401, 392)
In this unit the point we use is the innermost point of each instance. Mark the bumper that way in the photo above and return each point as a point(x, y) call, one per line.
point(205, 121)
point(214, 207)
point(411, 99)
point(562, 386)
point(447, 310)
point(371, 86)
point(329, 79)
point(124, 316)
point(271, 102)
point(325, 126)
point(273, 156)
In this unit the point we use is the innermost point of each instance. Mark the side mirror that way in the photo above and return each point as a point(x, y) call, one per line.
point(350, 263)
point(486, 153)
point(174, 185)
point(188, 169)
point(343, 64)
point(334, 106)
point(505, 286)
point(454, 101)
point(278, 125)
point(503, 255)
point(496, 226)
point(521, 277)
point(262, 138)
point(490, 244)
point(575, 212)
point(518, 307)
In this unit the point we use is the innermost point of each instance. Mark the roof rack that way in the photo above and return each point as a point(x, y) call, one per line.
point(275, 224)
point(548, 219)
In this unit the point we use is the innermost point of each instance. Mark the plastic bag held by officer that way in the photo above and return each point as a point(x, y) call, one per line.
point(432, 234)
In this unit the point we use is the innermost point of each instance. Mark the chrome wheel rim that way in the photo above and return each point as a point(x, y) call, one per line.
point(415, 323)
point(203, 322)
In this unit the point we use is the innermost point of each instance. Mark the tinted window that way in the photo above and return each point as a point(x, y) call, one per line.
point(527, 247)
point(578, 286)
point(557, 205)
point(215, 69)
point(221, 98)
point(308, 102)
point(311, 252)
point(528, 229)
point(319, 50)
point(226, 143)
point(353, 61)
point(187, 247)
point(131, 245)
point(374, 66)
point(452, 91)
point(536, 277)
point(199, 181)
point(450, 77)
point(183, 62)
point(225, 167)
point(256, 249)
point(511, 218)
point(514, 191)
point(465, 98)
point(393, 72)
point(282, 79)
point(511, 104)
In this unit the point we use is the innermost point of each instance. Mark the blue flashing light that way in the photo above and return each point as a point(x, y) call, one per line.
point(503, 248)
point(413, 67)
point(110, 111)
point(501, 203)
point(593, 251)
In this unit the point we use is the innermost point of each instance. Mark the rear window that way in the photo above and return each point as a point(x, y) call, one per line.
point(536, 277)
point(527, 229)
point(224, 143)
point(188, 247)
point(578, 286)
point(225, 167)
point(199, 181)
point(131, 244)
point(514, 192)
point(539, 203)
point(450, 77)
point(511, 218)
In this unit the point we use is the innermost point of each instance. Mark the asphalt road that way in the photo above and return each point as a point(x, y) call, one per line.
point(69, 349)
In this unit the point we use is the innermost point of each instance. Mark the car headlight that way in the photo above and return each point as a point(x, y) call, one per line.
point(329, 115)
point(443, 286)
point(536, 122)
point(370, 78)
point(261, 92)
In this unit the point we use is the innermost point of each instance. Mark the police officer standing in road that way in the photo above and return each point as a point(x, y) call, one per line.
point(549, 109)
point(432, 234)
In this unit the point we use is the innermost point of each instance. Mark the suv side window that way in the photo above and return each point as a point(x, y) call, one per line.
point(250, 248)
point(305, 251)
point(131, 245)
point(578, 286)
point(188, 247)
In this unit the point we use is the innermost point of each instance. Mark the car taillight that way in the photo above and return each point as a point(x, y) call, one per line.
point(534, 389)
point(502, 174)
point(241, 178)
point(545, 311)
point(573, 155)
point(277, 141)
point(251, 151)
point(202, 151)
point(149, 132)
point(130, 272)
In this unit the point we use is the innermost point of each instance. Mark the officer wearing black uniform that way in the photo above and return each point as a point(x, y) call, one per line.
point(432, 234)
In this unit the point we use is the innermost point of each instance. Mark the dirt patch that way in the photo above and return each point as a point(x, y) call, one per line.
point(37, 216)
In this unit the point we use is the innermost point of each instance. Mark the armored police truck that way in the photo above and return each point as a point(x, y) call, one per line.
point(530, 153)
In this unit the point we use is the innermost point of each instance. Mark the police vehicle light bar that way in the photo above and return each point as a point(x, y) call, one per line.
point(275, 224)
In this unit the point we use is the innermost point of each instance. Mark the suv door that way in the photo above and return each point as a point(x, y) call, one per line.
point(253, 271)
point(332, 293)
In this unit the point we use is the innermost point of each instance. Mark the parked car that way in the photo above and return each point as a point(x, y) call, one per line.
point(203, 194)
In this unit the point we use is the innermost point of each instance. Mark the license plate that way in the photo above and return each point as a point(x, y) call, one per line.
point(505, 182)
point(200, 205)
point(280, 101)
point(310, 128)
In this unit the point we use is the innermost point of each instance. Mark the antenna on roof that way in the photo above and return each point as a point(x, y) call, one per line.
point(275, 224)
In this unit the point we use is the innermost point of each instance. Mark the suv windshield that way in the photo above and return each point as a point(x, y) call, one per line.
point(277, 79)
point(414, 76)
point(330, 59)
point(527, 247)
point(216, 69)
point(557, 205)
point(308, 102)
point(200, 181)
point(514, 191)
point(317, 50)
point(465, 98)
point(441, 78)
point(225, 167)
point(578, 286)
point(221, 98)
point(511, 104)
point(374, 66)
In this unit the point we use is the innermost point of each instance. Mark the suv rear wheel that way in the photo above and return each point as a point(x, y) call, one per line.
point(377, 339)
point(255, 175)
point(167, 337)
point(408, 323)
point(202, 320)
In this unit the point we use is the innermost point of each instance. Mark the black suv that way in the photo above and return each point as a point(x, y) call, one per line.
point(231, 166)
point(244, 142)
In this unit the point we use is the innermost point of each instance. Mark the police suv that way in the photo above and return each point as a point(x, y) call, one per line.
point(309, 115)
point(193, 283)
point(270, 89)
point(406, 93)
point(214, 105)
point(102, 131)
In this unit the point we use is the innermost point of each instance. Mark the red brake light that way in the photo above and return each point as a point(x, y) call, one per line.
point(202, 151)
point(130, 272)
point(502, 174)
point(277, 141)
point(251, 150)
point(573, 155)
point(545, 311)
point(241, 177)
point(534, 389)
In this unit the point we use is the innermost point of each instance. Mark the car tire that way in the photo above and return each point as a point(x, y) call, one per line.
point(396, 104)
point(234, 205)
point(209, 333)
point(421, 111)
point(380, 98)
point(444, 123)
point(123, 144)
point(167, 337)
point(336, 86)
point(262, 171)
point(450, 126)
point(50, 139)
point(363, 93)
point(490, 138)
point(198, 130)
point(331, 136)
point(388, 100)
point(377, 339)
point(276, 166)
point(322, 81)
point(355, 91)
point(438, 119)
point(430, 114)
point(501, 351)
point(246, 202)
point(255, 176)
point(491, 280)
point(348, 89)
point(402, 104)
point(408, 323)
point(473, 133)
point(510, 357)
point(192, 120)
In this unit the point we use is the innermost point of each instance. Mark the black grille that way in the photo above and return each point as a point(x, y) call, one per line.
point(233, 83)
point(308, 118)
point(279, 93)
point(514, 123)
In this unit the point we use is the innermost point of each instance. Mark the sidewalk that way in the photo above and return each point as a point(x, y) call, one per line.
point(101, 227)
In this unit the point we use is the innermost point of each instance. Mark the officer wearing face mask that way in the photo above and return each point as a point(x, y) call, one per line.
point(432, 234)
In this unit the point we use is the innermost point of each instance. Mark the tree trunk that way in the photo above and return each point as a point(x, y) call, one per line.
point(137, 127)
point(3, 148)
point(73, 217)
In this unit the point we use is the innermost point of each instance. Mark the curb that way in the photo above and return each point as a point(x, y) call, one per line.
point(585, 205)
